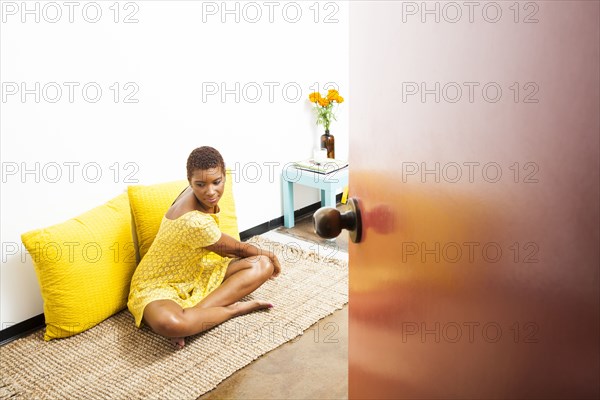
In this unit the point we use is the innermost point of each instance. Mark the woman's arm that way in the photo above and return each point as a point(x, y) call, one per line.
point(227, 246)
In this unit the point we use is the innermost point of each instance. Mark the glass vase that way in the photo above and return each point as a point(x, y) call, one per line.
point(328, 143)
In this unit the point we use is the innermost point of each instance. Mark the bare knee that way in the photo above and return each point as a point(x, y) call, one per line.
point(263, 267)
point(167, 323)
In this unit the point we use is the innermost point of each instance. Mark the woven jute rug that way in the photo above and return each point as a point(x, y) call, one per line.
point(116, 360)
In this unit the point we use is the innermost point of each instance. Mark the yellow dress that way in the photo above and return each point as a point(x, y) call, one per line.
point(177, 266)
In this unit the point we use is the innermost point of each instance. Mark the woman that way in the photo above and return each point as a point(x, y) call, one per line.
point(180, 288)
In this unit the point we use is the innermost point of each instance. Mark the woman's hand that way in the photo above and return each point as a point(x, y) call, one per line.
point(227, 246)
point(276, 265)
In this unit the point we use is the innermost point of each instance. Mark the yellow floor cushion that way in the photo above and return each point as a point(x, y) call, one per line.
point(150, 203)
point(84, 267)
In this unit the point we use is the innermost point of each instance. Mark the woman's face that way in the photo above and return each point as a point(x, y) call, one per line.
point(208, 186)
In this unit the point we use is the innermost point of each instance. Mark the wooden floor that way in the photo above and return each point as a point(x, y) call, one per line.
point(312, 366)
point(304, 229)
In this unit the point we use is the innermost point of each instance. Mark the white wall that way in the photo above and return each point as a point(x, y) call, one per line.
point(169, 61)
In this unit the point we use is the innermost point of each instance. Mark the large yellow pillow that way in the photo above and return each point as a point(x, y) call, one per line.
point(84, 267)
point(150, 203)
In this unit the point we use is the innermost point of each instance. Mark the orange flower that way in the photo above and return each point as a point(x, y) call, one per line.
point(314, 97)
point(324, 106)
point(323, 102)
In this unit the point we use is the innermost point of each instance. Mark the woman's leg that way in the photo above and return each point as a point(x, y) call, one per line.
point(243, 276)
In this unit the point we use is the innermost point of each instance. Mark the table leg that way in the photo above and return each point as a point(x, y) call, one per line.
point(329, 196)
point(288, 203)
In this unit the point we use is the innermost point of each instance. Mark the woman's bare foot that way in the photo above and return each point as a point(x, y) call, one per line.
point(239, 308)
point(178, 342)
point(245, 307)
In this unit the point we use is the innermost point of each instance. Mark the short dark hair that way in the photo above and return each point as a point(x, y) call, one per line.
point(204, 157)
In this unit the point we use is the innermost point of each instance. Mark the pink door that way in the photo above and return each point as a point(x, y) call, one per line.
point(474, 156)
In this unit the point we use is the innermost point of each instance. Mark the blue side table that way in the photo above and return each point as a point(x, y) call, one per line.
point(329, 184)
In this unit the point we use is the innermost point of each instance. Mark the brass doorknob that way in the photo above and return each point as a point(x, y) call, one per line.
point(329, 221)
